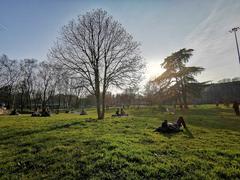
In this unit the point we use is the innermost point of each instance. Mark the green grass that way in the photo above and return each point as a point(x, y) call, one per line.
point(67, 146)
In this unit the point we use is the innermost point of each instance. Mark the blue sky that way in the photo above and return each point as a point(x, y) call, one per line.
point(29, 28)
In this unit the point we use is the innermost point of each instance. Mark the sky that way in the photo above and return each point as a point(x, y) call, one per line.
point(28, 28)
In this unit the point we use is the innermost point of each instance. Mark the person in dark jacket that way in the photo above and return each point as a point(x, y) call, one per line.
point(236, 108)
point(172, 127)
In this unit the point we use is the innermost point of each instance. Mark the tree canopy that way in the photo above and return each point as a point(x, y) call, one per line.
point(100, 52)
point(178, 80)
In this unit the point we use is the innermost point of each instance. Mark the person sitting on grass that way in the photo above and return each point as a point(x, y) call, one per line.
point(36, 113)
point(117, 112)
point(45, 112)
point(14, 112)
point(83, 112)
point(172, 127)
point(236, 108)
point(122, 112)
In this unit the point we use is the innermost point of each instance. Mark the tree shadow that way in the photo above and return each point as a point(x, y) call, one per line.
point(30, 132)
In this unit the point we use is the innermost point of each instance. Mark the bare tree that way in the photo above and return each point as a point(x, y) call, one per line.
point(9, 76)
point(28, 69)
point(67, 86)
point(37, 90)
point(100, 52)
point(152, 93)
point(46, 81)
point(9, 71)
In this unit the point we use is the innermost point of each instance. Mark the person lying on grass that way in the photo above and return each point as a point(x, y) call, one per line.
point(172, 127)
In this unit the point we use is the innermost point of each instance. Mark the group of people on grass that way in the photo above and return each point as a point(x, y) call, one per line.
point(120, 113)
point(44, 113)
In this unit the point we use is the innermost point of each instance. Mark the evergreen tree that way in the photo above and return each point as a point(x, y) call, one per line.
point(178, 81)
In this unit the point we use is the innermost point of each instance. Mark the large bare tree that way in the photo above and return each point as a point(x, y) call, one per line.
point(100, 52)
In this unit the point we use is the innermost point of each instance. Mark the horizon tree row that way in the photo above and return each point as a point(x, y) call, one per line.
point(28, 84)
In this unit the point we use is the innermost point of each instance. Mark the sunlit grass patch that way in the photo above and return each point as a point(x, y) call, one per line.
point(74, 146)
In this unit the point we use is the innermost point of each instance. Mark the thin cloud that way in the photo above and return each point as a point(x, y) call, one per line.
point(214, 45)
point(2, 27)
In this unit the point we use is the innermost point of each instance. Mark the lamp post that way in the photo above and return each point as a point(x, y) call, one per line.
point(234, 30)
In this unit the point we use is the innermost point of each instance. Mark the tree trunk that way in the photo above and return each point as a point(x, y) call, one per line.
point(98, 105)
point(35, 102)
point(98, 97)
point(76, 102)
point(30, 102)
point(59, 101)
point(69, 100)
point(10, 99)
point(103, 104)
point(44, 100)
point(184, 96)
point(185, 102)
point(21, 102)
point(14, 100)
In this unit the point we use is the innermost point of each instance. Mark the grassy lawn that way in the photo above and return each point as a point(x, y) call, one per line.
point(67, 146)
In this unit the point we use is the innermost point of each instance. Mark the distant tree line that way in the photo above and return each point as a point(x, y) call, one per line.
point(226, 80)
point(29, 84)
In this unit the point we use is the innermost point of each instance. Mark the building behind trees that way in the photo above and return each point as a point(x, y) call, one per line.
point(226, 92)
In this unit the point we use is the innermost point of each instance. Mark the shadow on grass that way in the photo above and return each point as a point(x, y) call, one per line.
point(211, 122)
point(30, 132)
point(188, 133)
point(168, 134)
